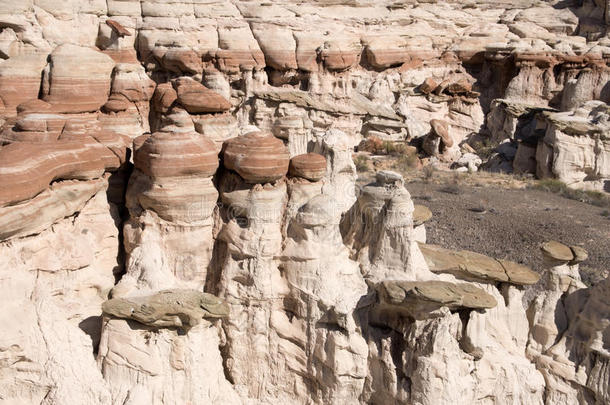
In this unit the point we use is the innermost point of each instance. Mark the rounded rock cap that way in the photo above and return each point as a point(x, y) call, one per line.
point(441, 128)
point(310, 166)
point(258, 157)
point(171, 154)
point(389, 177)
point(421, 214)
point(557, 250)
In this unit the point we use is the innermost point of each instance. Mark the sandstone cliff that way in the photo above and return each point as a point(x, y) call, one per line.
point(180, 222)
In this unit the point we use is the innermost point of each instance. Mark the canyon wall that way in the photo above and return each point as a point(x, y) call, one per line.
point(180, 222)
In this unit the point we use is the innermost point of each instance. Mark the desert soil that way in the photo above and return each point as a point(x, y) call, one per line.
point(500, 217)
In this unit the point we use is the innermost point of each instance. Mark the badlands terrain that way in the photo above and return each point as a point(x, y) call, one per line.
point(315, 202)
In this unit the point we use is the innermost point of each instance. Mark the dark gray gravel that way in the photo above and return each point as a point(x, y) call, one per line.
point(511, 223)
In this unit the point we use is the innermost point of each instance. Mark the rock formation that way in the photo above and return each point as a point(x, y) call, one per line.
point(180, 221)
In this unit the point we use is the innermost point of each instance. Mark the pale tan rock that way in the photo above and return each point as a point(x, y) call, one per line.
point(421, 214)
point(557, 250)
point(168, 308)
point(475, 266)
point(417, 298)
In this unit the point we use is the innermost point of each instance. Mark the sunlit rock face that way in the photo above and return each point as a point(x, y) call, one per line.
point(180, 221)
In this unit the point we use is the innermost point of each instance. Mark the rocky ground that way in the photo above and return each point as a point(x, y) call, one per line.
point(504, 217)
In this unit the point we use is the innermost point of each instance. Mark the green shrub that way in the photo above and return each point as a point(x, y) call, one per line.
point(362, 163)
point(555, 186)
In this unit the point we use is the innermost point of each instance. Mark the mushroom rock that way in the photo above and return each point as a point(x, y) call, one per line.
point(310, 166)
point(441, 128)
point(166, 154)
point(131, 81)
point(557, 251)
point(379, 229)
point(173, 176)
point(79, 79)
point(258, 157)
point(423, 299)
point(26, 169)
point(118, 28)
point(196, 98)
point(475, 266)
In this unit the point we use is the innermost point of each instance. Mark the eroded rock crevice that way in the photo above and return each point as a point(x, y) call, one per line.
point(179, 198)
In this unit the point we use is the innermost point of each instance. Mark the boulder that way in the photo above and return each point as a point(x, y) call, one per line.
point(164, 97)
point(310, 166)
point(78, 79)
point(196, 98)
point(258, 157)
point(20, 80)
point(167, 154)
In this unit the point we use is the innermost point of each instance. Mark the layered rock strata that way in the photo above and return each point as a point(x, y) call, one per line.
point(179, 221)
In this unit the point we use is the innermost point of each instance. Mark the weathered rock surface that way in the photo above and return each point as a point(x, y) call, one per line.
point(475, 266)
point(326, 293)
point(310, 166)
point(78, 79)
point(167, 308)
point(257, 157)
point(196, 98)
point(29, 168)
point(417, 298)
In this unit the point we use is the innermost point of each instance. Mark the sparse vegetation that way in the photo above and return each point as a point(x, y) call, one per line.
point(362, 163)
point(454, 187)
point(395, 148)
point(406, 161)
point(606, 213)
point(429, 171)
point(485, 148)
point(555, 186)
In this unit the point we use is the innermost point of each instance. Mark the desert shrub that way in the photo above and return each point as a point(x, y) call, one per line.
point(362, 163)
point(397, 148)
point(406, 161)
point(454, 186)
point(555, 186)
point(485, 148)
point(429, 171)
